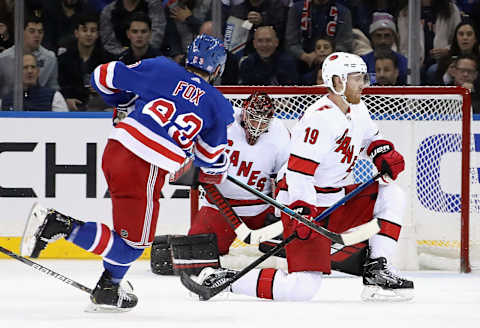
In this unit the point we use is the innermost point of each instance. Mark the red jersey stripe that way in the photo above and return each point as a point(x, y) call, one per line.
point(151, 143)
point(389, 229)
point(207, 154)
point(103, 77)
point(302, 165)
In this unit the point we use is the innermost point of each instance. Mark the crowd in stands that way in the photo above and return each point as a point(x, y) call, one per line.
point(269, 42)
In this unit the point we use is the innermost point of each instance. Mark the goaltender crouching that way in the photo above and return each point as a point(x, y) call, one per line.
point(257, 149)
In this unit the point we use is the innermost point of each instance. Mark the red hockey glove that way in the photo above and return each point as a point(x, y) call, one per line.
point(386, 158)
point(217, 173)
point(309, 212)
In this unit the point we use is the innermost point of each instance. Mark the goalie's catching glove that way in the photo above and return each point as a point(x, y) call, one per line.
point(386, 158)
point(217, 173)
point(309, 212)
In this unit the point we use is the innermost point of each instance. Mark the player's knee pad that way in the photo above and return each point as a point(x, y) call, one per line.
point(296, 286)
point(121, 253)
point(390, 203)
point(172, 255)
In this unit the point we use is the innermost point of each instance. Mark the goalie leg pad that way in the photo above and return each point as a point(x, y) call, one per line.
point(161, 256)
point(191, 254)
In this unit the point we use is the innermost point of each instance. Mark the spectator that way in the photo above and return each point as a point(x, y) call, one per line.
point(230, 74)
point(309, 19)
point(6, 37)
point(46, 59)
point(383, 34)
point(78, 62)
point(268, 65)
point(35, 97)
point(465, 41)
point(466, 75)
point(115, 18)
point(261, 13)
point(362, 11)
point(438, 19)
point(185, 18)
point(62, 16)
point(139, 33)
point(324, 46)
point(386, 68)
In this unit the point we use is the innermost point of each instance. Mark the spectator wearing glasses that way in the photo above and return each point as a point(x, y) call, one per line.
point(466, 75)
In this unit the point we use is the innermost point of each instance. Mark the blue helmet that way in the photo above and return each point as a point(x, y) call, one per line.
point(206, 53)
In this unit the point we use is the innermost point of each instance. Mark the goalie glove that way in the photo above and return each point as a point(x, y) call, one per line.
point(386, 158)
point(217, 173)
point(122, 110)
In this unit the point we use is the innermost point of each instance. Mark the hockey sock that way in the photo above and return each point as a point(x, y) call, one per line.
point(384, 243)
point(97, 238)
point(278, 285)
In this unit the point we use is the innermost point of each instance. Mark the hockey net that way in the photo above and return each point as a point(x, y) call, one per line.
point(430, 126)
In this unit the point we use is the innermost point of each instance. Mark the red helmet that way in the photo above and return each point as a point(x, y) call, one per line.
point(257, 113)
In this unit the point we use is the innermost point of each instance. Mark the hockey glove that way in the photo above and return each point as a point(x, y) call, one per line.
point(309, 212)
point(122, 110)
point(217, 173)
point(386, 158)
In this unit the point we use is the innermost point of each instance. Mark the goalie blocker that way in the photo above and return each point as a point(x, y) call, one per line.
point(173, 254)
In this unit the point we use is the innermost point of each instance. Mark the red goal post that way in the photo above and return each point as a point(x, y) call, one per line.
point(431, 127)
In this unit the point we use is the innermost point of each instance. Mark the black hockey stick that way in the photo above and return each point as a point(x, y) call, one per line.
point(363, 232)
point(206, 293)
point(45, 270)
point(243, 232)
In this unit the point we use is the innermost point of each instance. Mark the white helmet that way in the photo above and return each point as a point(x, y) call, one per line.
point(341, 64)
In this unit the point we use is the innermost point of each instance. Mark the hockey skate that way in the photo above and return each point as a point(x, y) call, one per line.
point(381, 283)
point(110, 297)
point(44, 226)
point(212, 278)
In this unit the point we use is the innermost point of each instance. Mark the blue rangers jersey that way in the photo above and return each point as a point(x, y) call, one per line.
point(177, 113)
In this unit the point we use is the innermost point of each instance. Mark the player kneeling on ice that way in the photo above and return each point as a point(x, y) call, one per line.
point(325, 146)
point(174, 113)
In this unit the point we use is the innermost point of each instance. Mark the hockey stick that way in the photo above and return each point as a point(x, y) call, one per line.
point(363, 232)
point(45, 270)
point(243, 232)
point(366, 231)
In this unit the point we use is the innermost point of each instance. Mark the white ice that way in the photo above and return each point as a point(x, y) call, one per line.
point(31, 299)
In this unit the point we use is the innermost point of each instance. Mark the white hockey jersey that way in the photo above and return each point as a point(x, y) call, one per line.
point(253, 165)
point(325, 146)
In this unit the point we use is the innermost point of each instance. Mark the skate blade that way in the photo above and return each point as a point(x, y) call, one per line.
point(34, 222)
point(378, 294)
point(103, 308)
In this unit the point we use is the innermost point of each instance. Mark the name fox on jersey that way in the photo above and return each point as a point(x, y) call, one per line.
point(189, 92)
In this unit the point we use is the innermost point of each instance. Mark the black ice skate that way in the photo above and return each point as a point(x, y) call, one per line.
point(44, 226)
point(210, 277)
point(110, 297)
point(382, 283)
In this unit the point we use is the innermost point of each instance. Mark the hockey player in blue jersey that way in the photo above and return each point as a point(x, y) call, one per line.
point(174, 113)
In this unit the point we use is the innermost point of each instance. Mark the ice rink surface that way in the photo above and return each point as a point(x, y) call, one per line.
point(30, 298)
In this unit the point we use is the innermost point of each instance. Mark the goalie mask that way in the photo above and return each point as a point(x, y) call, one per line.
point(257, 113)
